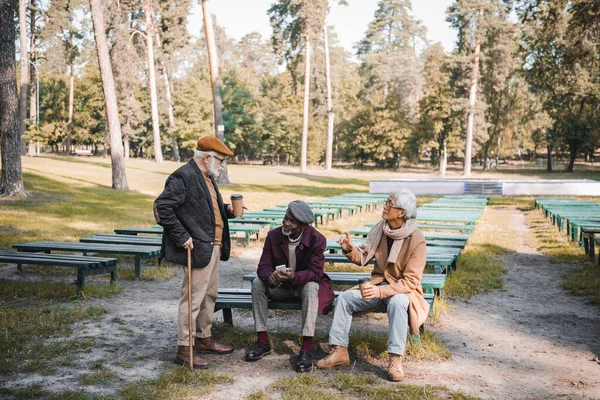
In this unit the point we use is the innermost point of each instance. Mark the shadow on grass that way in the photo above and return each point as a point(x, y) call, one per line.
point(59, 211)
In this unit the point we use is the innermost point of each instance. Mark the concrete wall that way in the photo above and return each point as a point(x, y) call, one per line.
point(583, 187)
point(418, 186)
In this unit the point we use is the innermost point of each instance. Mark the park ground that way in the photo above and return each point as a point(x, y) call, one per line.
point(518, 320)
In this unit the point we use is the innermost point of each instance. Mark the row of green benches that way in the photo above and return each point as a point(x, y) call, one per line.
point(579, 219)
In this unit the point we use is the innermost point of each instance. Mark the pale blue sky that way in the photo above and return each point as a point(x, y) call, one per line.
point(240, 17)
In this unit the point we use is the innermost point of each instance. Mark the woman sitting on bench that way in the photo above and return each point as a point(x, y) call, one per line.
point(400, 254)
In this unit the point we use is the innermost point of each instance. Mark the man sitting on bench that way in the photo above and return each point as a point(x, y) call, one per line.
point(297, 248)
point(400, 255)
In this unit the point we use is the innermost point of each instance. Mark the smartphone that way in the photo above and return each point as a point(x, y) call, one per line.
point(280, 268)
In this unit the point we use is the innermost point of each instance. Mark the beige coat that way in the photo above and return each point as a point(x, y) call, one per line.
point(404, 276)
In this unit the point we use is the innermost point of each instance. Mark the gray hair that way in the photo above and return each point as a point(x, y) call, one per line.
point(198, 155)
point(406, 200)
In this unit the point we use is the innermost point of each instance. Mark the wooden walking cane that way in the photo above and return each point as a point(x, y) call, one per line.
point(189, 276)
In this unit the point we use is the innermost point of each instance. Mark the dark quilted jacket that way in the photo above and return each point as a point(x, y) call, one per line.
point(185, 209)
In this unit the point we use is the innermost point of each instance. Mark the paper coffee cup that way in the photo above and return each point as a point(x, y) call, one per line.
point(362, 284)
point(237, 202)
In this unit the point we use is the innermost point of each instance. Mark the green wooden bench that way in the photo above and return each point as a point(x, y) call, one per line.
point(442, 263)
point(428, 235)
point(85, 265)
point(229, 299)
point(108, 238)
point(333, 246)
point(323, 214)
point(431, 283)
point(138, 231)
point(465, 229)
point(247, 229)
point(137, 251)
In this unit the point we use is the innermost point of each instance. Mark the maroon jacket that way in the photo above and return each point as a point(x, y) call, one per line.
point(310, 260)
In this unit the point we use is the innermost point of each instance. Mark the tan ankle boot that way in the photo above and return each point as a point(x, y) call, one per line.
point(183, 358)
point(395, 371)
point(209, 345)
point(337, 358)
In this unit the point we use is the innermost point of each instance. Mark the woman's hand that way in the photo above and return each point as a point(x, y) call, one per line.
point(345, 243)
point(371, 292)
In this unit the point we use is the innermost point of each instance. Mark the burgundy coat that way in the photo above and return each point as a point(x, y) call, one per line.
point(310, 260)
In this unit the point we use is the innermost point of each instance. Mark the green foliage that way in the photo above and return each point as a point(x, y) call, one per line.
point(193, 106)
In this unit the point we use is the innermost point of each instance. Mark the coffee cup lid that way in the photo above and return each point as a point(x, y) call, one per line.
point(236, 197)
point(363, 280)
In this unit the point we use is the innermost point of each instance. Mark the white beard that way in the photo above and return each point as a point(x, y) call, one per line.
point(286, 232)
point(212, 170)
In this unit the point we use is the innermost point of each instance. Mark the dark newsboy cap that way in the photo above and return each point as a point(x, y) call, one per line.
point(301, 211)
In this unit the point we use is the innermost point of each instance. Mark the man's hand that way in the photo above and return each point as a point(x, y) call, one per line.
point(276, 279)
point(189, 244)
point(230, 209)
point(371, 292)
point(289, 274)
point(346, 243)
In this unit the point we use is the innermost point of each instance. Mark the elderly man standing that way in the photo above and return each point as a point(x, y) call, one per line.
point(192, 213)
point(298, 249)
point(400, 253)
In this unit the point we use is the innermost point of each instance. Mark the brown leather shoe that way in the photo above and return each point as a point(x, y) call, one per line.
point(209, 345)
point(183, 358)
point(337, 358)
point(395, 371)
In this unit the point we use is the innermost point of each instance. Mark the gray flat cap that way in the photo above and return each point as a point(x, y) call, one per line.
point(301, 211)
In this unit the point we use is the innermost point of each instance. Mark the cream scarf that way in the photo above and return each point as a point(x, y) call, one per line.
point(367, 249)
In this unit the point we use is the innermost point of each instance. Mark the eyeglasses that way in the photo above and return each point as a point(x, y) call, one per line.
point(388, 204)
point(221, 160)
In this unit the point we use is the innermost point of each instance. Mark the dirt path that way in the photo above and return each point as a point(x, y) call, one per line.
point(531, 341)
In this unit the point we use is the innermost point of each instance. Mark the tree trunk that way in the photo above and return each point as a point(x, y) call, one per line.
point(119, 177)
point(71, 99)
point(573, 152)
point(34, 79)
point(330, 115)
point(174, 144)
point(443, 157)
point(24, 66)
point(498, 151)
point(152, 81)
point(105, 149)
point(11, 183)
point(549, 159)
point(216, 84)
point(305, 108)
point(472, 99)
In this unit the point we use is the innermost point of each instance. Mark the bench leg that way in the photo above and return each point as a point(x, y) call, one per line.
point(227, 317)
point(80, 281)
point(113, 276)
point(416, 339)
point(138, 267)
point(591, 246)
point(247, 235)
point(20, 268)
